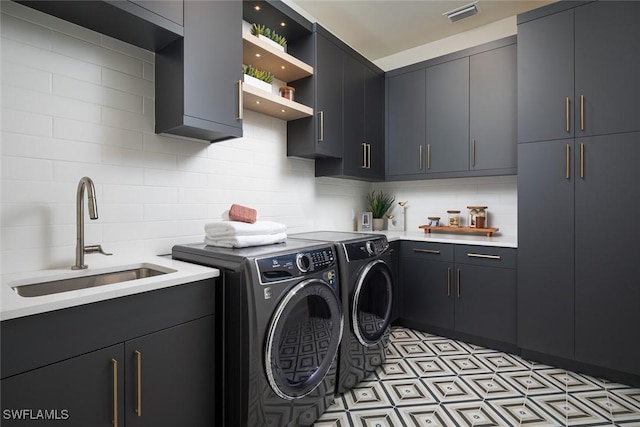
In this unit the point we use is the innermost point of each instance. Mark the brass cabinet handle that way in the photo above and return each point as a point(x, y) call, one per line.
point(474, 255)
point(368, 156)
point(114, 369)
point(321, 119)
point(567, 118)
point(428, 156)
point(364, 156)
point(448, 281)
point(138, 383)
point(458, 285)
point(473, 152)
point(581, 160)
point(427, 251)
point(420, 158)
point(581, 112)
point(567, 155)
point(240, 101)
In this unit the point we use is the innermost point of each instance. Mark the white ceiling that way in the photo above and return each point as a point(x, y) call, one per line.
point(379, 28)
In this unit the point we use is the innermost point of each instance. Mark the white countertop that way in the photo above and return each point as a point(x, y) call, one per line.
point(13, 305)
point(460, 239)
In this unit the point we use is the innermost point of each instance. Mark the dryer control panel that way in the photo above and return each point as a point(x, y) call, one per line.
point(364, 249)
point(293, 265)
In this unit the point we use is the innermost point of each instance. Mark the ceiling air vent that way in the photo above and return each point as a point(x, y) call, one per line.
point(462, 12)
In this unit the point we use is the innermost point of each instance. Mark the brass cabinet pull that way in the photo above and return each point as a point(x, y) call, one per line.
point(458, 285)
point(581, 112)
point(473, 152)
point(427, 251)
point(240, 101)
point(567, 118)
point(321, 119)
point(368, 156)
point(448, 281)
point(114, 369)
point(138, 383)
point(420, 158)
point(474, 255)
point(364, 155)
point(567, 155)
point(581, 160)
point(428, 156)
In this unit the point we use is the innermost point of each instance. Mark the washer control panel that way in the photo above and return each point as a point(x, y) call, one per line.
point(364, 249)
point(289, 266)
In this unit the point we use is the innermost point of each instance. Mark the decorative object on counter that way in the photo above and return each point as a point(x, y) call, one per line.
point(453, 218)
point(258, 78)
point(287, 92)
point(397, 220)
point(243, 214)
point(379, 203)
point(478, 216)
point(364, 221)
point(269, 36)
point(433, 221)
point(447, 229)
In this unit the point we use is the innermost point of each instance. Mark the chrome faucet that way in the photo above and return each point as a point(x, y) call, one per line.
point(81, 249)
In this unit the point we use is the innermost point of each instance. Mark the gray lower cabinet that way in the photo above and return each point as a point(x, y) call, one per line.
point(466, 289)
point(133, 361)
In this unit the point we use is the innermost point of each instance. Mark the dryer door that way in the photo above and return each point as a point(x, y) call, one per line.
point(371, 306)
point(303, 339)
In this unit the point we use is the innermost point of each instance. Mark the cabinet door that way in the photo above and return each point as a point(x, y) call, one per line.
point(406, 109)
point(77, 392)
point(328, 72)
point(607, 62)
point(448, 117)
point(607, 268)
point(545, 78)
point(492, 109)
point(354, 155)
point(374, 122)
point(176, 384)
point(486, 302)
point(545, 265)
point(427, 293)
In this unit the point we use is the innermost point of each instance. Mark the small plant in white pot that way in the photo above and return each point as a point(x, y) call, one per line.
point(379, 204)
point(269, 36)
point(258, 78)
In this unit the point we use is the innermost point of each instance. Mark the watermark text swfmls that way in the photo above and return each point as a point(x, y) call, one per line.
point(35, 414)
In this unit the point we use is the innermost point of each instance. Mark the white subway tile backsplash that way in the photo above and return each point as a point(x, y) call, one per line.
point(26, 123)
point(99, 173)
point(26, 32)
point(96, 133)
point(22, 145)
point(22, 168)
point(96, 94)
point(25, 77)
point(50, 105)
point(128, 83)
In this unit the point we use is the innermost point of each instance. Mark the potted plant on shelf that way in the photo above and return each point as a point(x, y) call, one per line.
point(258, 78)
point(269, 36)
point(379, 205)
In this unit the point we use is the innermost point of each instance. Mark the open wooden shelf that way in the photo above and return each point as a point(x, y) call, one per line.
point(283, 66)
point(273, 105)
point(446, 229)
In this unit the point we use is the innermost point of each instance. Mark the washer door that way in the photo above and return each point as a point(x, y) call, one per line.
point(303, 339)
point(371, 307)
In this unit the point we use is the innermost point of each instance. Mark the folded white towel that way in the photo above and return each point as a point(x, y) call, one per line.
point(245, 241)
point(218, 229)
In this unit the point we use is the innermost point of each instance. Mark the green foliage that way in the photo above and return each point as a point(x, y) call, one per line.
point(252, 71)
point(258, 29)
point(379, 203)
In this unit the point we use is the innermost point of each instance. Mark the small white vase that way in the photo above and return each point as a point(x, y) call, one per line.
point(271, 42)
point(378, 224)
point(250, 80)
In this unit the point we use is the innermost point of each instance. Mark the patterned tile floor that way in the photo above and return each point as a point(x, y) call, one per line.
point(433, 381)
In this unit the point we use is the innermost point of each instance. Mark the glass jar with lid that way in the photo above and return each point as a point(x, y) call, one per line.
point(453, 217)
point(477, 216)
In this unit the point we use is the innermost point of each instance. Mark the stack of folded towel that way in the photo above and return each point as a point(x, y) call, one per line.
point(242, 229)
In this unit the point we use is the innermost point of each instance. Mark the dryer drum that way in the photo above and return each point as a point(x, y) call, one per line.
point(303, 338)
point(372, 302)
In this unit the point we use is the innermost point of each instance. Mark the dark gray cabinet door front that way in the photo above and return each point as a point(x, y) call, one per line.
point(406, 110)
point(328, 72)
point(448, 117)
point(493, 109)
point(77, 392)
point(545, 78)
point(607, 293)
point(546, 260)
point(374, 122)
point(607, 81)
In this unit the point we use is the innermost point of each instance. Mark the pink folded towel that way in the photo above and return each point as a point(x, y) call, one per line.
point(242, 213)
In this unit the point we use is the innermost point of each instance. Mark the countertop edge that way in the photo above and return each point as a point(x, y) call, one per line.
point(458, 239)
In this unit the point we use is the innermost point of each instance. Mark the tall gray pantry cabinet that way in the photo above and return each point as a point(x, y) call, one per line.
point(579, 143)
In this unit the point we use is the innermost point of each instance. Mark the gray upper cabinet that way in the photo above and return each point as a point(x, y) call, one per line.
point(406, 124)
point(492, 110)
point(172, 10)
point(197, 81)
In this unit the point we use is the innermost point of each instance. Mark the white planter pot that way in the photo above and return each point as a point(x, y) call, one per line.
point(378, 224)
point(271, 42)
point(257, 83)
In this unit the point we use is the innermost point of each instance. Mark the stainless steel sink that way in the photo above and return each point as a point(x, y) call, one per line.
point(89, 281)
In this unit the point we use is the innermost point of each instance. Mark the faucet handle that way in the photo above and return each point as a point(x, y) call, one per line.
point(92, 249)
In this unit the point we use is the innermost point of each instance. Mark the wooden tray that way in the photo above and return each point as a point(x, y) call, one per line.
point(446, 229)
